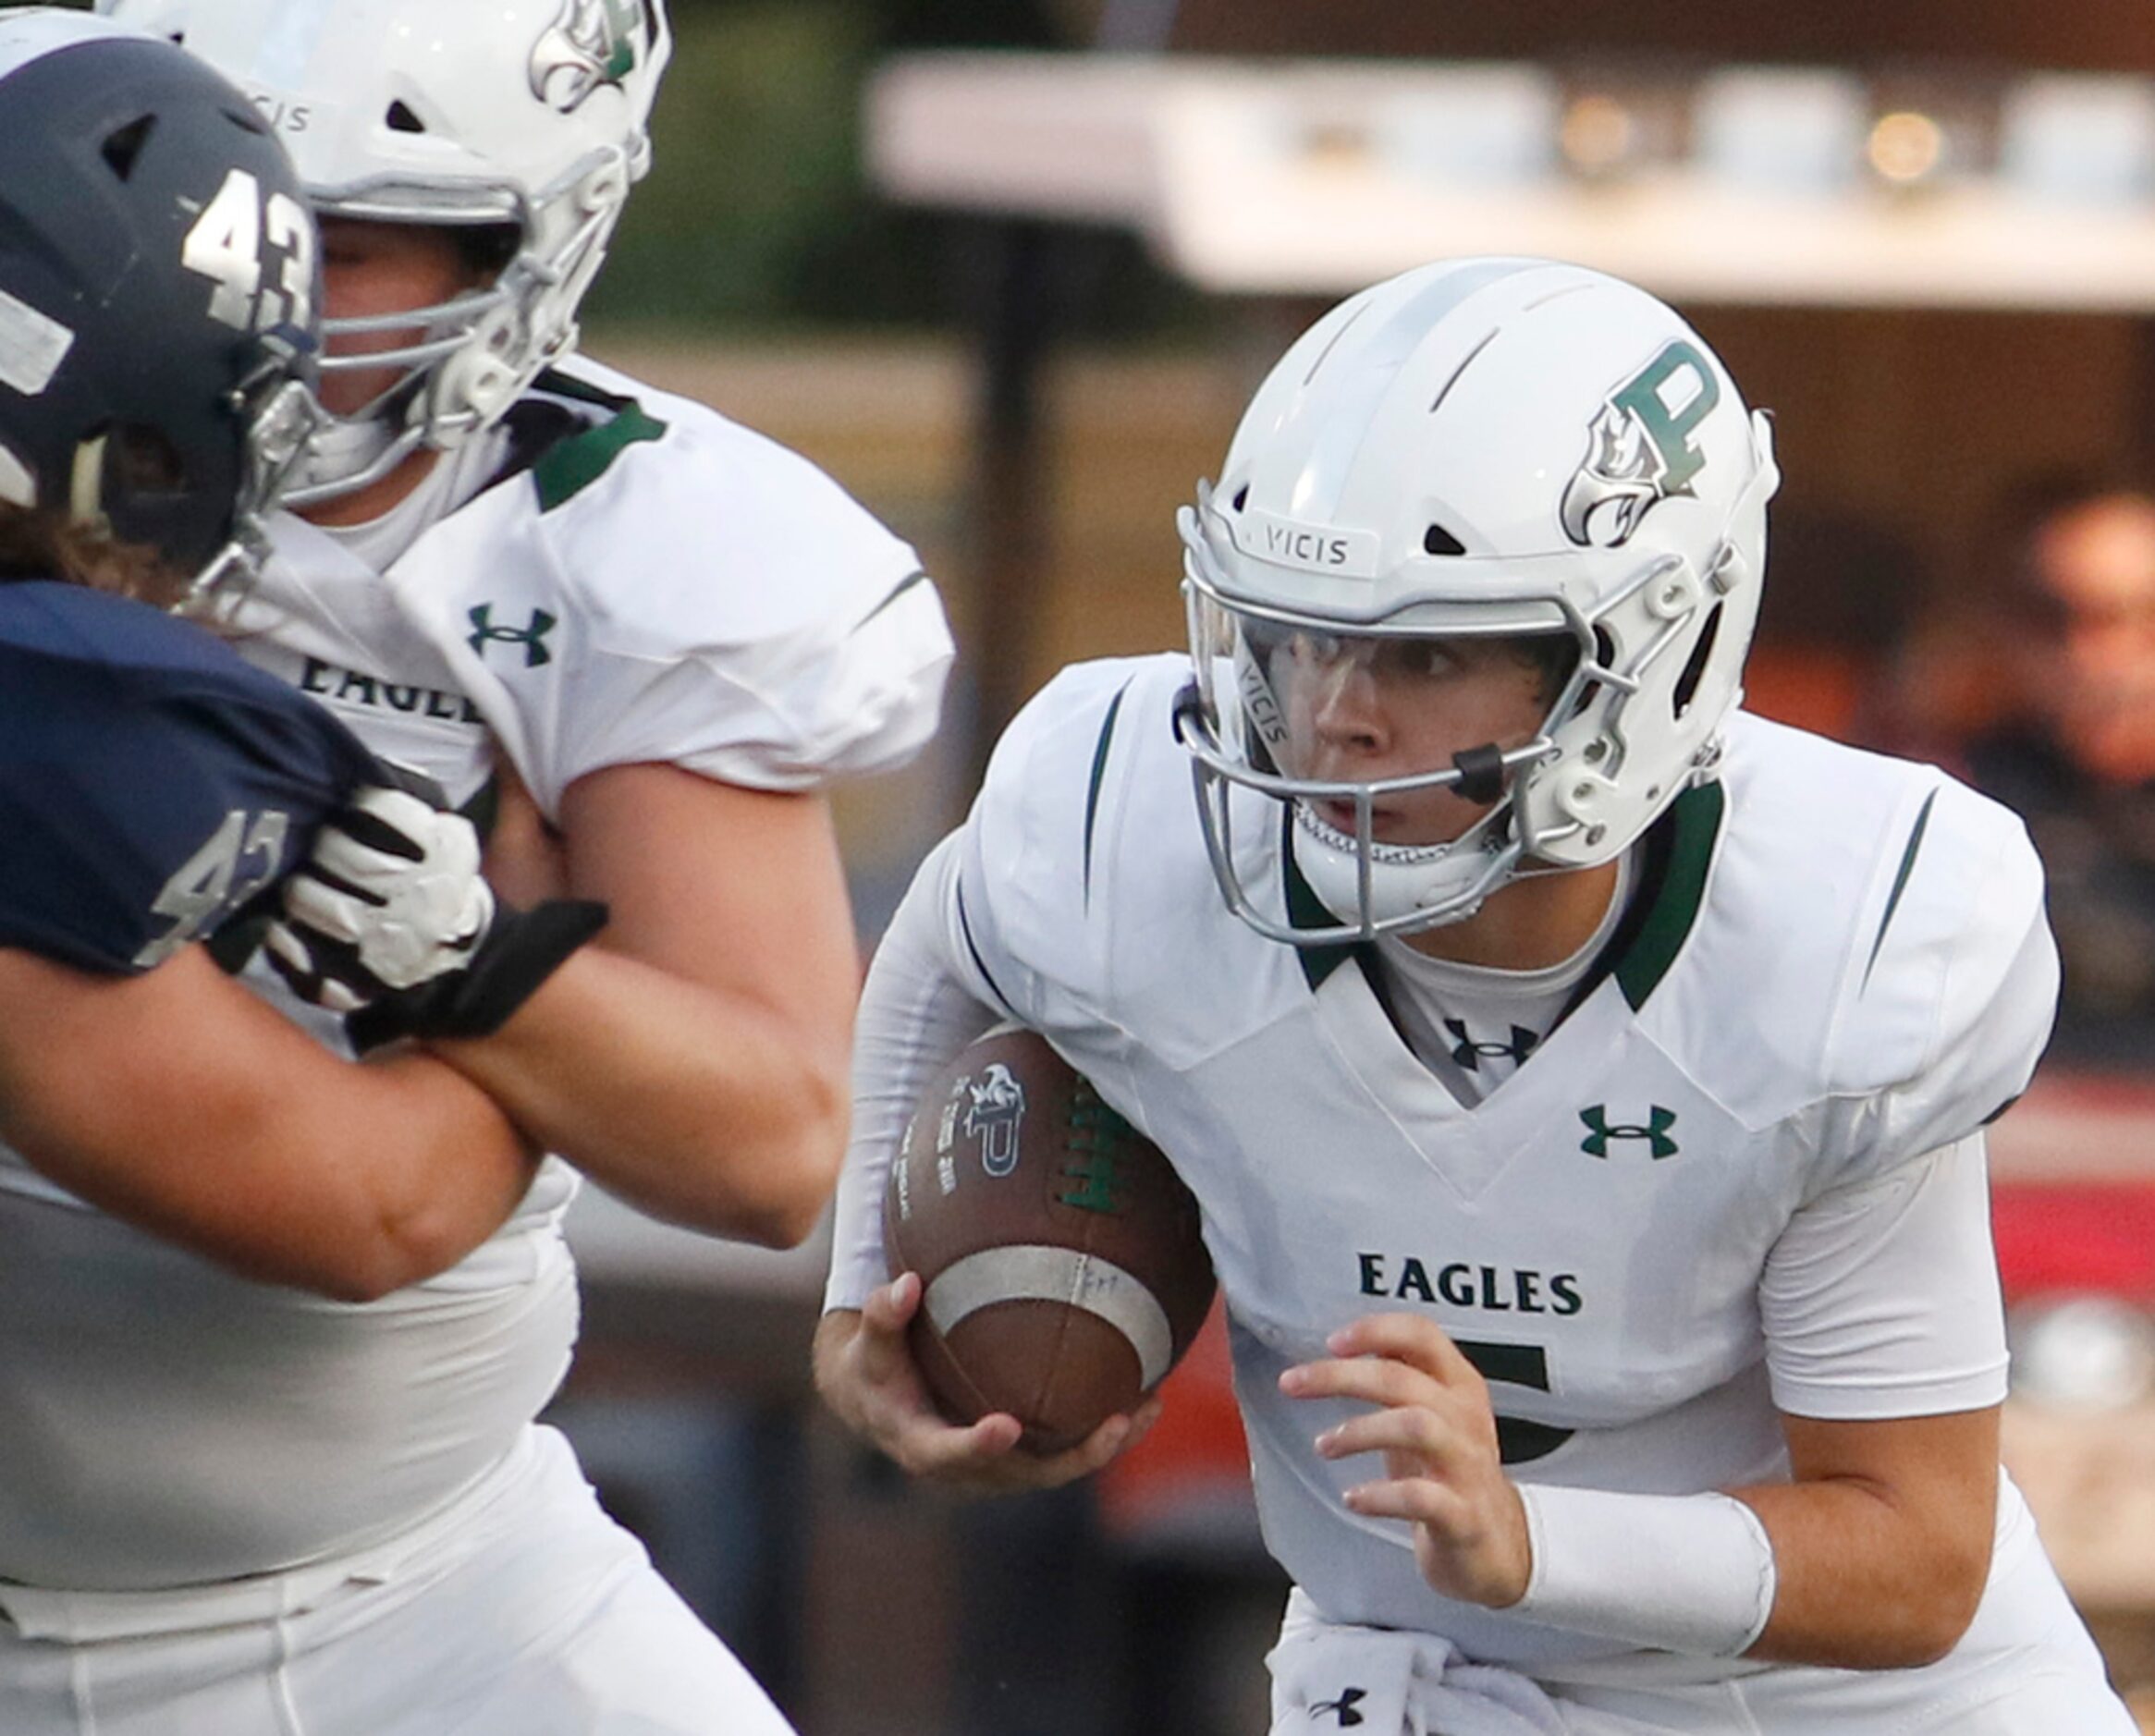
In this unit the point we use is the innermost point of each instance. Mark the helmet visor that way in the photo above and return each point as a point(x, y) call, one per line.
point(1410, 735)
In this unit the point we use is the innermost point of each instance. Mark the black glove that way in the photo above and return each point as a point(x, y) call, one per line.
point(389, 921)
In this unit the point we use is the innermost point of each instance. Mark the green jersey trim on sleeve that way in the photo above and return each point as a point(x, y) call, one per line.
point(972, 951)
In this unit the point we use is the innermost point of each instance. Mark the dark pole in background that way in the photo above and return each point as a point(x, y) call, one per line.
point(1009, 519)
point(1136, 26)
point(1035, 278)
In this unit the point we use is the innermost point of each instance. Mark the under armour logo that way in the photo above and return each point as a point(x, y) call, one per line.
point(1656, 1132)
point(1468, 1052)
point(532, 637)
point(1343, 1707)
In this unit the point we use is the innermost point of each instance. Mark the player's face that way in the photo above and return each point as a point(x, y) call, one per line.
point(1366, 709)
point(375, 268)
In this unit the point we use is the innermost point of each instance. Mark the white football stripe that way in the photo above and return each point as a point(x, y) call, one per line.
point(1030, 1272)
point(31, 346)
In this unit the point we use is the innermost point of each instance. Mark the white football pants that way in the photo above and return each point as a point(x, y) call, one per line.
point(522, 1610)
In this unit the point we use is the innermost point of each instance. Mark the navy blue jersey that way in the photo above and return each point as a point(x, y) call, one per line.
point(151, 782)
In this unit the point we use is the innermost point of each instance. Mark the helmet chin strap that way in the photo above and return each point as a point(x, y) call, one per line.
point(1400, 889)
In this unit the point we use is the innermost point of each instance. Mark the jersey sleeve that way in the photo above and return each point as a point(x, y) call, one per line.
point(150, 784)
point(1880, 1297)
point(1948, 1003)
point(1033, 847)
point(925, 1000)
point(669, 587)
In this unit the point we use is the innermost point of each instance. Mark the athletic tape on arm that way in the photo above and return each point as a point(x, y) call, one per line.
point(1689, 1573)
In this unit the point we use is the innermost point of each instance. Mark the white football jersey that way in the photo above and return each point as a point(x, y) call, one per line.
point(1833, 963)
point(652, 582)
point(655, 583)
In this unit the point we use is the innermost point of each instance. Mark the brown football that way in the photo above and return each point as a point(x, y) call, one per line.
point(1062, 1271)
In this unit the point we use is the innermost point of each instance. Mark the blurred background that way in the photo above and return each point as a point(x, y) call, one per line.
point(1007, 268)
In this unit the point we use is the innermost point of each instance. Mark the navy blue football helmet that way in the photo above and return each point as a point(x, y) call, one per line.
point(159, 293)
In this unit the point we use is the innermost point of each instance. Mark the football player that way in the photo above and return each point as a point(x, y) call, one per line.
point(1583, 1081)
point(640, 634)
point(273, 1324)
point(151, 784)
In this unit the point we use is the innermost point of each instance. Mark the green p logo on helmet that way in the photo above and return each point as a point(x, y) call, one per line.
point(1639, 449)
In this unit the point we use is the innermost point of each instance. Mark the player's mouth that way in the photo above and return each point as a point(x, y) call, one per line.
point(1388, 823)
point(1344, 816)
point(1391, 836)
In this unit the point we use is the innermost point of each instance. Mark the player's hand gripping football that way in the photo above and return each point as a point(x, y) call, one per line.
point(866, 1374)
point(390, 923)
point(1433, 1424)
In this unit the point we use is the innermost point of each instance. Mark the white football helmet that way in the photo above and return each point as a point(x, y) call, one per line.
point(531, 114)
point(1479, 447)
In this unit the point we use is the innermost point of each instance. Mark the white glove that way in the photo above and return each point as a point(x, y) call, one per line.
point(390, 919)
point(395, 881)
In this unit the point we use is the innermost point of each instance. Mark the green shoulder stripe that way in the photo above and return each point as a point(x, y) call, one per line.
point(1099, 775)
point(1900, 884)
point(565, 471)
point(1305, 909)
point(1692, 823)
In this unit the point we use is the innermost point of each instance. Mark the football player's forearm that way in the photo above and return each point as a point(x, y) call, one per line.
point(916, 1012)
point(696, 1105)
point(1882, 1568)
point(425, 1169)
point(179, 1103)
point(693, 1059)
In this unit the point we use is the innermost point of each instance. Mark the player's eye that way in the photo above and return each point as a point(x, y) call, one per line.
point(1415, 659)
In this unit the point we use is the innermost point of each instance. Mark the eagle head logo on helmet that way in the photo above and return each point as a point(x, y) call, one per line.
point(1638, 449)
point(592, 44)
